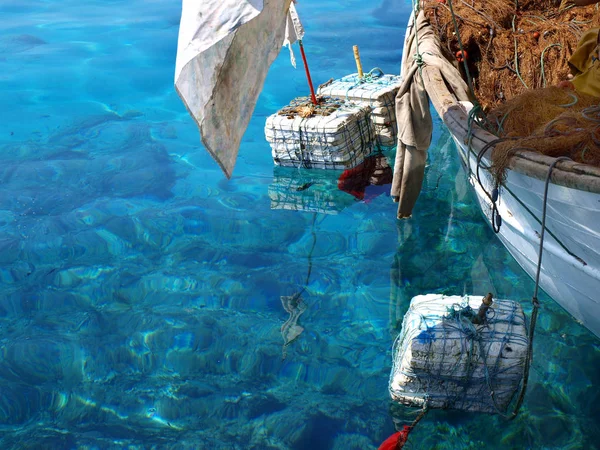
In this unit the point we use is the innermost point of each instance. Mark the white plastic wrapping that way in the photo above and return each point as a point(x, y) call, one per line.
point(378, 91)
point(442, 359)
point(340, 140)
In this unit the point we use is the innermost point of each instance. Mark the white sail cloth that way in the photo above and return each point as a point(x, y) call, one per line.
point(224, 51)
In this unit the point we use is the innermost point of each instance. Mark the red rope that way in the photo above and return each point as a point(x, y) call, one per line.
point(312, 90)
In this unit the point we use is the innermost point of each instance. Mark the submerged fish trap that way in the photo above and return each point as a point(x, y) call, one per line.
point(376, 90)
point(330, 135)
point(444, 360)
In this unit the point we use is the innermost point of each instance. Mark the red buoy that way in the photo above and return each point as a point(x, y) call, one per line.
point(462, 55)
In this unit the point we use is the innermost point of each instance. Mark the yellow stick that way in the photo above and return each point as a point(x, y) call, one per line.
point(358, 64)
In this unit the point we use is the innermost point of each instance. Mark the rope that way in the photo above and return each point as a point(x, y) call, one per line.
point(496, 218)
point(294, 304)
point(507, 189)
point(403, 434)
point(542, 62)
point(534, 299)
point(374, 76)
point(417, 56)
point(516, 54)
point(462, 49)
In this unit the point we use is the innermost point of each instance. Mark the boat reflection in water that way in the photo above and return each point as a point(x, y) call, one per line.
point(326, 191)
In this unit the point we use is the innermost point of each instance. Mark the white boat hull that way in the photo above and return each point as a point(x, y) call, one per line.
point(570, 270)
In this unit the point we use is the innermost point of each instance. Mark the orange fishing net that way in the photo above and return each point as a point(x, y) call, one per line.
point(517, 51)
point(511, 45)
point(552, 121)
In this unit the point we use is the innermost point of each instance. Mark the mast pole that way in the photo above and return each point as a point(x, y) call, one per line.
point(313, 97)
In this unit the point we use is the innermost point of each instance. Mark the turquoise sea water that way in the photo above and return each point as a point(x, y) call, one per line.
point(141, 291)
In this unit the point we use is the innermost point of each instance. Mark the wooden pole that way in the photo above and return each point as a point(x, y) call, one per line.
point(358, 63)
point(310, 85)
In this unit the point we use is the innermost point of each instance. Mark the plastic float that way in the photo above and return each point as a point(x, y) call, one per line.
point(329, 134)
point(374, 89)
point(459, 353)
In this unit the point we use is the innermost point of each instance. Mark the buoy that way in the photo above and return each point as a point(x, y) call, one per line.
point(462, 55)
point(334, 134)
point(536, 35)
point(375, 90)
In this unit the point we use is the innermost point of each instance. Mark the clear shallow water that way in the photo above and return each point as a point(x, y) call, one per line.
point(141, 291)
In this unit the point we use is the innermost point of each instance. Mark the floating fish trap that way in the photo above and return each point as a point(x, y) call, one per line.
point(443, 359)
point(375, 90)
point(330, 135)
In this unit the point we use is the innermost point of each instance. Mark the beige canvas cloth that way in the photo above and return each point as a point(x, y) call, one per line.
point(224, 51)
point(413, 115)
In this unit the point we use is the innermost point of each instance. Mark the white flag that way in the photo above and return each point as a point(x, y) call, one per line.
point(294, 31)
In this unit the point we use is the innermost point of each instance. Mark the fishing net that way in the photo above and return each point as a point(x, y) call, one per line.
point(511, 45)
point(553, 121)
point(516, 52)
point(329, 135)
point(376, 90)
point(442, 359)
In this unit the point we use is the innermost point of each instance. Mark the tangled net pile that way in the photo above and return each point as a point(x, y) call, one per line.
point(512, 45)
point(551, 121)
point(516, 51)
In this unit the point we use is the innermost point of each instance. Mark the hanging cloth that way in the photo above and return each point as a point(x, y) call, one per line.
point(415, 126)
point(585, 63)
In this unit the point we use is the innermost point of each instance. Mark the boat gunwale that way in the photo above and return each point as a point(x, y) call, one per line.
point(454, 115)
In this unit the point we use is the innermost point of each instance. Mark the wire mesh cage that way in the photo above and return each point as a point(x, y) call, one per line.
point(330, 135)
point(376, 90)
point(443, 359)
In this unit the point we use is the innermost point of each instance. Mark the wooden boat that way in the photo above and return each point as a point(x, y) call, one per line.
point(570, 268)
